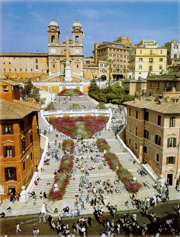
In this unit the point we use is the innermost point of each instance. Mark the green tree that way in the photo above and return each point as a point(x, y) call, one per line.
point(30, 91)
point(93, 87)
point(50, 106)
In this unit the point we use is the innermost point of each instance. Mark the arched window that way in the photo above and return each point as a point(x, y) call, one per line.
point(77, 39)
point(175, 55)
point(52, 39)
point(175, 46)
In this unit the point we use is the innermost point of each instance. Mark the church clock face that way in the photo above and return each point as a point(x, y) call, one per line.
point(53, 50)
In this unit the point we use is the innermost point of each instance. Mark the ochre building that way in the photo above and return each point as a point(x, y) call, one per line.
point(19, 139)
point(116, 51)
point(145, 59)
point(152, 133)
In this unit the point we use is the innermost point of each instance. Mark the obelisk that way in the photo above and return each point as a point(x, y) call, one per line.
point(68, 66)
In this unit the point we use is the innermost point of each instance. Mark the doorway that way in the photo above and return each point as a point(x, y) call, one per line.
point(169, 179)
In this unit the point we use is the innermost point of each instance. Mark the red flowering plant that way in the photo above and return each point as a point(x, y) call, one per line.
point(72, 125)
point(102, 144)
point(68, 145)
point(61, 178)
point(123, 174)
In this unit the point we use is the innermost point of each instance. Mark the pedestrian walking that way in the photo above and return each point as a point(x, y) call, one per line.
point(18, 228)
point(40, 218)
point(34, 201)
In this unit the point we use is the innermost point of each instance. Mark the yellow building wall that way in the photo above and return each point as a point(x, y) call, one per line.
point(85, 89)
point(55, 89)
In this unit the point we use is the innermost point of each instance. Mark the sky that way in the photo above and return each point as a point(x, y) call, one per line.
point(24, 24)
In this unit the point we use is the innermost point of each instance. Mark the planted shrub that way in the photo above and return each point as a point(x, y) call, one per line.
point(61, 178)
point(123, 174)
point(102, 144)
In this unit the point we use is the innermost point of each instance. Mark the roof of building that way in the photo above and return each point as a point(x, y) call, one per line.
point(24, 54)
point(164, 105)
point(77, 23)
point(10, 82)
point(53, 23)
point(17, 109)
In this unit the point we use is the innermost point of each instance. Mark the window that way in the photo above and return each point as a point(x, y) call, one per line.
point(157, 157)
point(160, 67)
point(31, 69)
point(140, 67)
point(129, 141)
point(158, 85)
point(8, 151)
point(36, 67)
point(146, 134)
point(151, 60)
point(24, 166)
point(136, 114)
point(141, 59)
point(146, 116)
point(161, 52)
point(23, 145)
point(136, 131)
point(140, 51)
point(151, 52)
point(171, 142)
point(150, 68)
point(77, 66)
point(7, 128)
point(159, 120)
point(26, 69)
point(9, 62)
point(54, 66)
point(145, 149)
point(52, 39)
point(175, 46)
point(77, 39)
point(22, 126)
point(161, 59)
point(5, 89)
point(10, 173)
point(135, 146)
point(130, 127)
point(170, 160)
point(9, 69)
point(129, 111)
point(15, 69)
point(172, 122)
point(158, 140)
point(36, 60)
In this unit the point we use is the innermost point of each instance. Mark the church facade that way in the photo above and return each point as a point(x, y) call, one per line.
point(38, 66)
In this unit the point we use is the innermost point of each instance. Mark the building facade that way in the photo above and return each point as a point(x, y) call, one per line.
point(118, 52)
point(21, 66)
point(19, 139)
point(173, 51)
point(38, 66)
point(153, 133)
point(57, 51)
point(145, 59)
point(167, 85)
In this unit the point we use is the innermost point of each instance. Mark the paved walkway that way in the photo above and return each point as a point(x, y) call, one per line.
point(103, 174)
